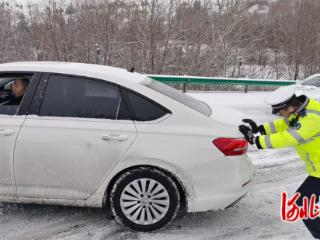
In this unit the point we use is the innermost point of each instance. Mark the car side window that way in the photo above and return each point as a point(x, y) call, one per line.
point(12, 91)
point(67, 96)
point(144, 109)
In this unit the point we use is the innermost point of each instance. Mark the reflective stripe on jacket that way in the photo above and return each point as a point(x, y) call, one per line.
point(304, 135)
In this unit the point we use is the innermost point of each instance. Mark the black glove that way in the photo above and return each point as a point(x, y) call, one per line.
point(254, 127)
point(247, 132)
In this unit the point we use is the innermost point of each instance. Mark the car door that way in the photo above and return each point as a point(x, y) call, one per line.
point(11, 119)
point(9, 127)
point(78, 131)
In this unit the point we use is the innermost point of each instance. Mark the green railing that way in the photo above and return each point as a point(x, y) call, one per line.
point(218, 80)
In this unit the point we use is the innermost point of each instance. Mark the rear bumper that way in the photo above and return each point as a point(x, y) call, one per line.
point(222, 182)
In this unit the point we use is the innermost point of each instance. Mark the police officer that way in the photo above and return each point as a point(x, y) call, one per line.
point(299, 126)
point(19, 88)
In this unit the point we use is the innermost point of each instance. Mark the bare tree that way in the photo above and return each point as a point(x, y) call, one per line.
point(254, 38)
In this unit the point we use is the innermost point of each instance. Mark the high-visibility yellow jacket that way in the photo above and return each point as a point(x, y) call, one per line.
point(301, 130)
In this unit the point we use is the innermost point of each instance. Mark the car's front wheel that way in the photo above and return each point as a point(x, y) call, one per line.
point(145, 199)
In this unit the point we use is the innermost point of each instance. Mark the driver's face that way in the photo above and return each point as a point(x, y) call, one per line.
point(18, 88)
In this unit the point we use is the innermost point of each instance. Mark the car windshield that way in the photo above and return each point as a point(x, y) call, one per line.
point(180, 97)
point(313, 80)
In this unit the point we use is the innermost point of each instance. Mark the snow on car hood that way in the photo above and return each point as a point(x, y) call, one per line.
point(227, 115)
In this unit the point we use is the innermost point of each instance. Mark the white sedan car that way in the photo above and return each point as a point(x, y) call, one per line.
point(97, 136)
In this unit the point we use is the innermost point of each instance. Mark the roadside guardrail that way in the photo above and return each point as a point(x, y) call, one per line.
point(185, 80)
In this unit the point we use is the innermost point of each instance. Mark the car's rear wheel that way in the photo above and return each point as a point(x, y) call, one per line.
point(145, 199)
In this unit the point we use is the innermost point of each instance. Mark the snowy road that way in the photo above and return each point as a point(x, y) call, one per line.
point(257, 216)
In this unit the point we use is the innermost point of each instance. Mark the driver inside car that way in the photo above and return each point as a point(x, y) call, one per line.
point(19, 88)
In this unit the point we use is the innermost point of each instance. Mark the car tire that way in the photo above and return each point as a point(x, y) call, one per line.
point(145, 199)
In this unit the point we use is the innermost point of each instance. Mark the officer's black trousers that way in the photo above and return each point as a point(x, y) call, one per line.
point(310, 186)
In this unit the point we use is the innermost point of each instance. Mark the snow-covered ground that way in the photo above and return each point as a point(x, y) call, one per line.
point(256, 216)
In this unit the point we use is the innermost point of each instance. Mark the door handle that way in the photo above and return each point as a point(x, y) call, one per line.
point(6, 132)
point(108, 137)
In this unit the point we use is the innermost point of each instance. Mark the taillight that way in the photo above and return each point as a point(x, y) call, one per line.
point(231, 146)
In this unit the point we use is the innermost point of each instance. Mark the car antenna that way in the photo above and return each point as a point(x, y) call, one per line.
point(131, 70)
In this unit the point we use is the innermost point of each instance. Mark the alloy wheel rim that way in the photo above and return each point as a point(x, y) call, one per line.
point(144, 201)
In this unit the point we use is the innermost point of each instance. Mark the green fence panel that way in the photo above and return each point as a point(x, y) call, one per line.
point(218, 80)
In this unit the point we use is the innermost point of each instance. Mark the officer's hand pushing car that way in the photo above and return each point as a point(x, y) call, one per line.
point(298, 126)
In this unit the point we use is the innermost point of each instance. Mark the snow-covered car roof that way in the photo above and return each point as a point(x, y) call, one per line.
point(81, 69)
